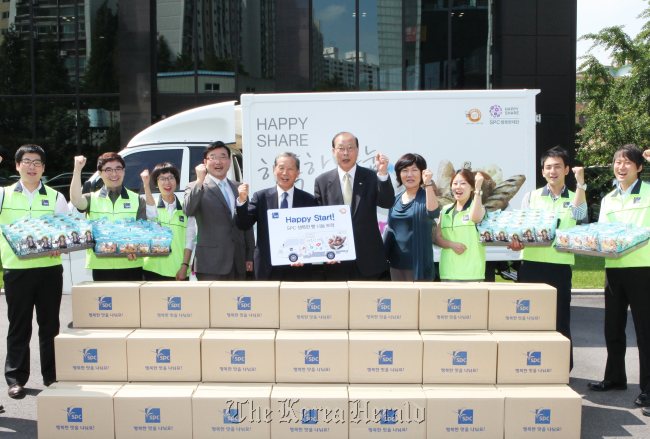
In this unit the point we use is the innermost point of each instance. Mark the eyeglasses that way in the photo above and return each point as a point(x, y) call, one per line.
point(214, 158)
point(117, 170)
point(34, 163)
point(347, 149)
point(169, 179)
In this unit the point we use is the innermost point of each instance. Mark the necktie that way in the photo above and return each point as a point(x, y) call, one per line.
point(347, 189)
point(225, 190)
point(285, 202)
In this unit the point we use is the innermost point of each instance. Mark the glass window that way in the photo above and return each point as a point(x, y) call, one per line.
point(469, 39)
point(430, 43)
point(138, 161)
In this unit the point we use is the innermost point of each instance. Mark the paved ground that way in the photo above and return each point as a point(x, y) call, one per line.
point(609, 415)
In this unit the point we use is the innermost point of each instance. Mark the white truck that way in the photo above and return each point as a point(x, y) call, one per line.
point(491, 130)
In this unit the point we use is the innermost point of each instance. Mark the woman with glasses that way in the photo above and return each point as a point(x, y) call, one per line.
point(114, 202)
point(408, 235)
point(462, 257)
point(168, 211)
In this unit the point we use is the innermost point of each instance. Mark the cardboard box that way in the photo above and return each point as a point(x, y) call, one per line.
point(395, 411)
point(522, 307)
point(106, 305)
point(245, 304)
point(464, 412)
point(309, 411)
point(175, 305)
point(532, 357)
point(385, 357)
point(154, 410)
point(543, 411)
point(383, 305)
point(311, 357)
point(314, 305)
point(91, 354)
point(76, 411)
point(164, 355)
point(238, 355)
point(232, 411)
point(462, 357)
point(453, 306)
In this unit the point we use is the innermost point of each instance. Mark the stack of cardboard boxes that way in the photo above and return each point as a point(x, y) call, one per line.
point(327, 360)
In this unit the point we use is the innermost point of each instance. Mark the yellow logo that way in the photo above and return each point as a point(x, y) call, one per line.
point(474, 115)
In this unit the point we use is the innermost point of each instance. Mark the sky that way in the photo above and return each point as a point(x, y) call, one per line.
point(594, 15)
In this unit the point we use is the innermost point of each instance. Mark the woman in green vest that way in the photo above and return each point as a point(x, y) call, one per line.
point(168, 211)
point(462, 257)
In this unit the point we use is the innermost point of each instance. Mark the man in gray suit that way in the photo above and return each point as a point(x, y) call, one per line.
point(222, 251)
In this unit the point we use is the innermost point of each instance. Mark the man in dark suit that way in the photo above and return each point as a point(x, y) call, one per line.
point(286, 169)
point(222, 250)
point(364, 190)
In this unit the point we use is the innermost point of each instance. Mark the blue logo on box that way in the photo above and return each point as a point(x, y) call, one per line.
point(313, 305)
point(466, 416)
point(152, 415)
point(275, 215)
point(543, 416)
point(522, 306)
point(459, 358)
point(231, 416)
point(244, 303)
point(454, 305)
point(309, 416)
point(384, 304)
point(534, 358)
point(385, 357)
point(174, 303)
point(90, 355)
point(238, 356)
point(388, 416)
point(105, 303)
point(75, 414)
point(312, 356)
point(163, 355)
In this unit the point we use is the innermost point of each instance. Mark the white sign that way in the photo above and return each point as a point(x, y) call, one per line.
point(311, 234)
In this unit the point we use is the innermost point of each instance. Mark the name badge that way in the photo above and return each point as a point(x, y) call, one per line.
point(45, 202)
point(127, 205)
point(636, 200)
point(567, 204)
point(181, 218)
point(466, 217)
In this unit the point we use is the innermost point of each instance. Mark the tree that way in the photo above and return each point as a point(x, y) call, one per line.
point(164, 56)
point(101, 72)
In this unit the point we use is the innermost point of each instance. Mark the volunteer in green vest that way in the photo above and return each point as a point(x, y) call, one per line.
point(627, 279)
point(168, 211)
point(545, 264)
point(33, 283)
point(113, 202)
point(462, 257)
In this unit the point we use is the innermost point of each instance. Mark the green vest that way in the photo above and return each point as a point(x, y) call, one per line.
point(562, 207)
point(15, 206)
point(631, 209)
point(101, 206)
point(460, 228)
point(168, 265)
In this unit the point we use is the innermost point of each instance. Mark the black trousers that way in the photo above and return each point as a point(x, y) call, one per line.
point(558, 276)
point(118, 274)
point(151, 276)
point(627, 287)
point(26, 290)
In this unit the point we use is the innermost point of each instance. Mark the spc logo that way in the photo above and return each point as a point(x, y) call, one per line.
point(313, 305)
point(543, 416)
point(163, 355)
point(385, 357)
point(459, 358)
point(89, 355)
point(388, 416)
point(174, 303)
point(466, 416)
point(312, 356)
point(238, 356)
point(454, 305)
point(534, 358)
point(231, 416)
point(384, 304)
point(75, 414)
point(244, 303)
point(275, 215)
point(152, 415)
point(309, 416)
point(522, 306)
point(105, 303)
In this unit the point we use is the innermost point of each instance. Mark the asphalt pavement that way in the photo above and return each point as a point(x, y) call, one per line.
point(604, 415)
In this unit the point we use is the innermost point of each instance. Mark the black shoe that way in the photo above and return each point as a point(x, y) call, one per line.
point(48, 383)
point(645, 411)
point(643, 400)
point(605, 385)
point(16, 391)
